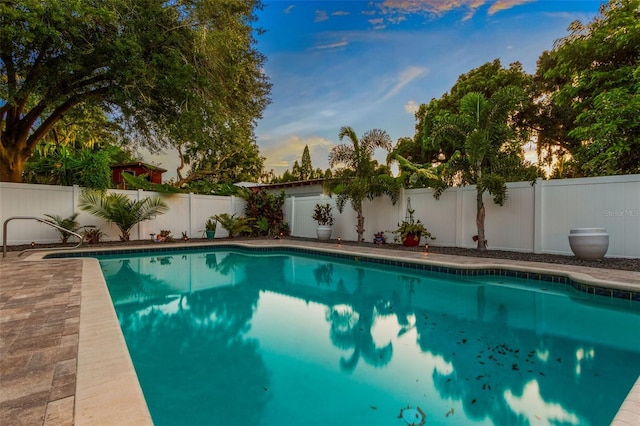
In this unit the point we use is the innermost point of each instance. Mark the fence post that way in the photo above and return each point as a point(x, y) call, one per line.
point(458, 216)
point(75, 194)
point(140, 224)
point(293, 215)
point(191, 210)
point(537, 216)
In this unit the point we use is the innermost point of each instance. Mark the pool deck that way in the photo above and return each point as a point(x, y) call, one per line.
point(63, 359)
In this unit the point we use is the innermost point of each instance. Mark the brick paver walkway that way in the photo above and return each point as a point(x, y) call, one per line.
point(39, 330)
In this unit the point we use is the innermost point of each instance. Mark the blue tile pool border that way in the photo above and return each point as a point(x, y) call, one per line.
point(469, 271)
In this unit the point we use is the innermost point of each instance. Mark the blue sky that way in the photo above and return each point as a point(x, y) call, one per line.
point(370, 64)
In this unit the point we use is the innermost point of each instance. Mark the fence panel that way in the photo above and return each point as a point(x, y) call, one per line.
point(34, 200)
point(187, 212)
point(510, 226)
point(533, 218)
point(611, 202)
point(437, 215)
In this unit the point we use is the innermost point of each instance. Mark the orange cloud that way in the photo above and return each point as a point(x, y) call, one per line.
point(395, 10)
point(505, 4)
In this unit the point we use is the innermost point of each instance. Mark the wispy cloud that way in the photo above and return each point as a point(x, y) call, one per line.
point(377, 23)
point(289, 9)
point(505, 4)
point(395, 11)
point(320, 16)
point(332, 45)
point(404, 78)
point(340, 13)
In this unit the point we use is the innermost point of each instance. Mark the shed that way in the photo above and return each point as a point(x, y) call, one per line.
point(154, 173)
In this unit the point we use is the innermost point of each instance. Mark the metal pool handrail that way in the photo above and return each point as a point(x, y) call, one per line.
point(46, 222)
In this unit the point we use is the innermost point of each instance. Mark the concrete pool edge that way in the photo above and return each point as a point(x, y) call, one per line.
point(107, 390)
point(107, 387)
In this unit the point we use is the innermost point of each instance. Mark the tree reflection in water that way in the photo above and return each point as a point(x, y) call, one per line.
point(493, 358)
point(351, 328)
point(128, 285)
point(205, 356)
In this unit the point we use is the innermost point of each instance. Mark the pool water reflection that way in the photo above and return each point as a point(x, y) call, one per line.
point(237, 338)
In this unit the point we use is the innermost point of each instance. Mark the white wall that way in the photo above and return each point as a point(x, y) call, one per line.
point(533, 219)
point(187, 212)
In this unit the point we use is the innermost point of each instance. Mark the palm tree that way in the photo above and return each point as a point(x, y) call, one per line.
point(489, 151)
point(361, 179)
point(70, 223)
point(121, 210)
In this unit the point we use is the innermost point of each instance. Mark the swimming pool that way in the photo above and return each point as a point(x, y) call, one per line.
point(234, 337)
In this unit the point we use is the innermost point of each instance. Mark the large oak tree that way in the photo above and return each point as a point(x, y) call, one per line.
point(180, 72)
point(588, 94)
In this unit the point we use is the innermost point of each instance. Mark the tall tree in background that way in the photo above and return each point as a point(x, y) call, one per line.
point(361, 179)
point(176, 73)
point(588, 94)
point(486, 80)
point(488, 151)
point(306, 168)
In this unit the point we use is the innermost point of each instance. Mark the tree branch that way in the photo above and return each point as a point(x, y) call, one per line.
point(56, 115)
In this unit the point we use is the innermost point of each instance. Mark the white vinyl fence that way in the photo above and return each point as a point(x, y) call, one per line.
point(534, 219)
point(187, 212)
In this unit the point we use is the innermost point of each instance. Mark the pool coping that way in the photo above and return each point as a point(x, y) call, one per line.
point(107, 387)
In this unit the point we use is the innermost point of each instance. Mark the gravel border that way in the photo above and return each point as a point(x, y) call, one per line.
point(623, 264)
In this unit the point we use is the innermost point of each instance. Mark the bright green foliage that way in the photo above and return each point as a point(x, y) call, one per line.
point(141, 182)
point(267, 210)
point(121, 210)
point(362, 178)
point(70, 223)
point(179, 73)
point(234, 225)
point(486, 80)
point(62, 165)
point(211, 224)
point(588, 87)
point(487, 153)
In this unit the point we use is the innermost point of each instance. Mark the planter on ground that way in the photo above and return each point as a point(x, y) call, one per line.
point(324, 232)
point(412, 239)
point(589, 243)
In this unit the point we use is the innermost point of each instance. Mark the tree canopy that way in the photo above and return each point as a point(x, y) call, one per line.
point(587, 90)
point(583, 105)
point(183, 73)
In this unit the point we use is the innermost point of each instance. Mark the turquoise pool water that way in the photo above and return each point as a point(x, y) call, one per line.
point(231, 337)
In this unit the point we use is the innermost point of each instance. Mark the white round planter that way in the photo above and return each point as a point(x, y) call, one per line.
point(589, 243)
point(324, 232)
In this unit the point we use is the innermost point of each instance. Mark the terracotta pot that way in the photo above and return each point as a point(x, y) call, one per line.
point(411, 240)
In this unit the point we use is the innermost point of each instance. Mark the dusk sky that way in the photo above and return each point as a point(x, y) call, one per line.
point(370, 64)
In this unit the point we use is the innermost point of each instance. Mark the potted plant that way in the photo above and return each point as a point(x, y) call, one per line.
point(323, 215)
point(410, 231)
point(210, 228)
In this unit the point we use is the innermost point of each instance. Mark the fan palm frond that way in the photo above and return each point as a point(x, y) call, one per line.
point(120, 210)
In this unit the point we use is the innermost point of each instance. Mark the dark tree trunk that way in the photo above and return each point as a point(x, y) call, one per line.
point(482, 241)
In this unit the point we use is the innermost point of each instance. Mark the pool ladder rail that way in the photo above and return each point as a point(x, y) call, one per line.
point(41, 220)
